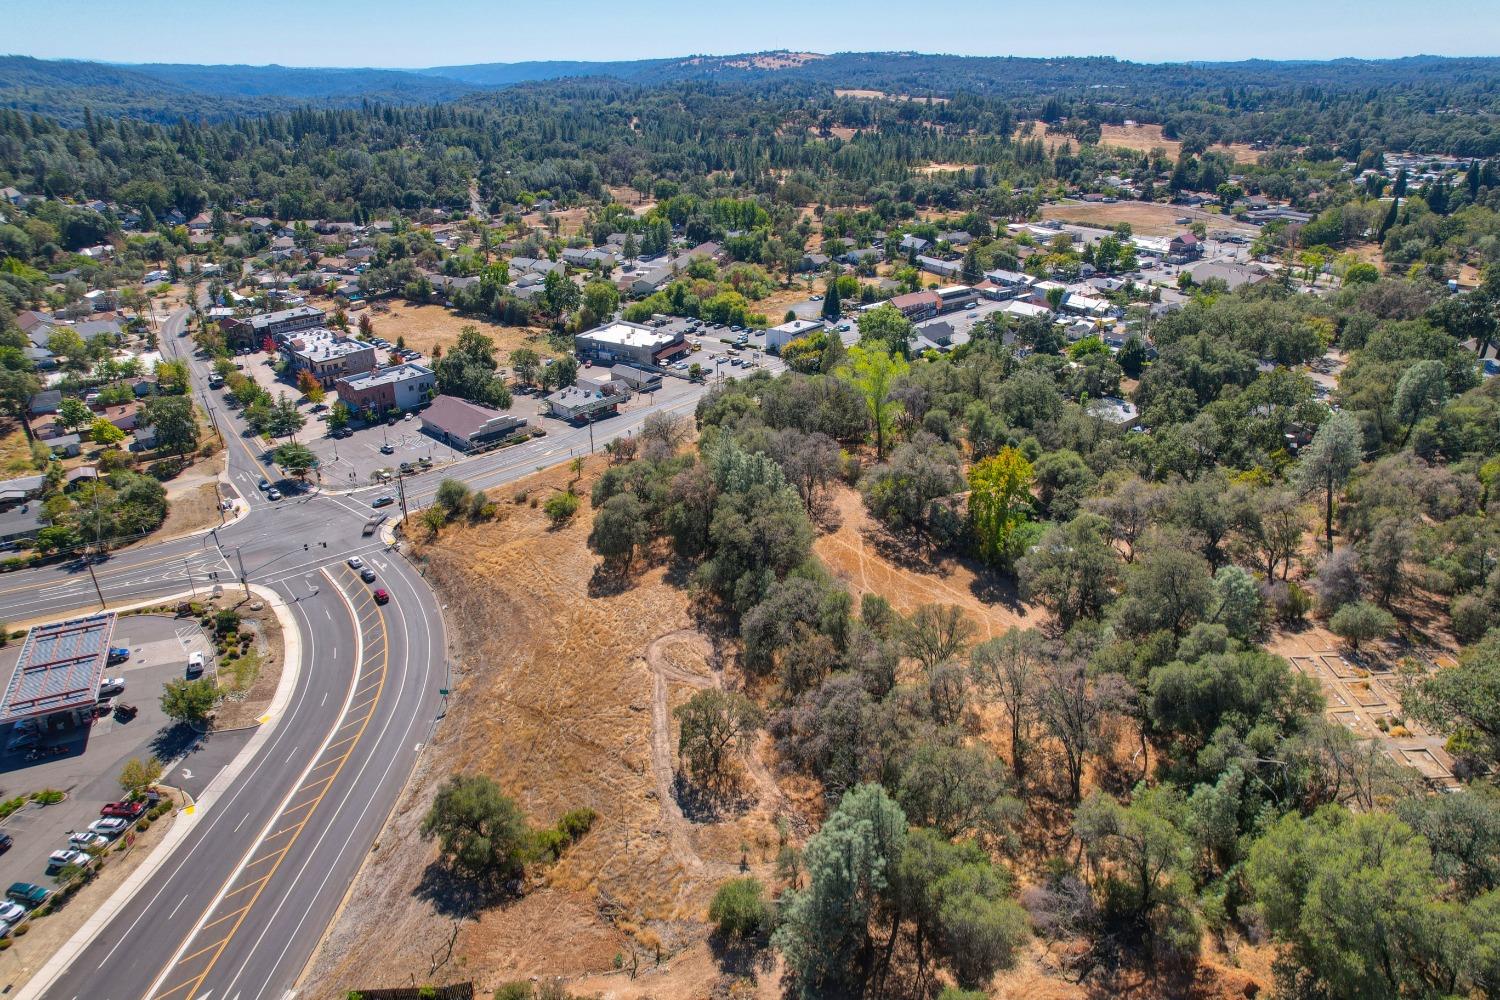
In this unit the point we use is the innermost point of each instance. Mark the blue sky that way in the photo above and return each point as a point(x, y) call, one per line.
point(448, 32)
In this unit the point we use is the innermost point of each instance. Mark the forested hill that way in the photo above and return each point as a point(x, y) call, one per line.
point(1101, 89)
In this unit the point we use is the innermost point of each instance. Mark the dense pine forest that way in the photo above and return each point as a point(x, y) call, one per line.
point(1140, 779)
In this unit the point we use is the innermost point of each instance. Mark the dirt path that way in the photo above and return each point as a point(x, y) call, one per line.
point(664, 670)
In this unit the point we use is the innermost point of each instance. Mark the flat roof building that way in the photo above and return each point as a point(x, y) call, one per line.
point(59, 669)
point(630, 342)
point(576, 403)
point(252, 331)
point(778, 337)
point(381, 390)
point(327, 355)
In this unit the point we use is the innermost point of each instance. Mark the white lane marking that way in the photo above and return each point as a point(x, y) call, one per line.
point(274, 817)
point(292, 754)
point(324, 701)
point(219, 814)
point(359, 823)
point(184, 899)
point(240, 823)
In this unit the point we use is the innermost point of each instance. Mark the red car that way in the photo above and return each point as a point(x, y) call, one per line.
point(381, 597)
point(124, 810)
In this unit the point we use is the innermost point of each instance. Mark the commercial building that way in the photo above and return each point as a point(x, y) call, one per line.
point(638, 379)
point(468, 426)
point(917, 306)
point(327, 355)
point(576, 403)
point(59, 670)
point(253, 331)
point(403, 387)
point(955, 297)
point(630, 342)
point(778, 337)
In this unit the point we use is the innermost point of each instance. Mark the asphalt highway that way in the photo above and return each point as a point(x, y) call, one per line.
point(238, 909)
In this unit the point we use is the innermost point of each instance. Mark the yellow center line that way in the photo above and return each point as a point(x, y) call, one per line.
point(261, 885)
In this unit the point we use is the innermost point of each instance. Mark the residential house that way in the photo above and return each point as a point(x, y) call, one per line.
point(856, 257)
point(813, 262)
point(46, 402)
point(941, 268)
point(467, 426)
point(65, 445)
point(1184, 246)
point(913, 244)
point(21, 489)
point(25, 521)
point(1233, 275)
point(201, 222)
point(935, 336)
point(957, 238)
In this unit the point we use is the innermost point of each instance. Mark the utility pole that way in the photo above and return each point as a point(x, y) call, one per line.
point(240, 555)
point(591, 435)
point(188, 569)
point(401, 492)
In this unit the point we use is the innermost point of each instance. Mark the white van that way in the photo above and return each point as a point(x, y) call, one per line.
point(195, 664)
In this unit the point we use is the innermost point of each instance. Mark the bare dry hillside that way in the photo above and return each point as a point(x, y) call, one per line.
point(564, 698)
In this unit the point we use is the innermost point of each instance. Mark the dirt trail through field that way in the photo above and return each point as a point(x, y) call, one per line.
point(666, 670)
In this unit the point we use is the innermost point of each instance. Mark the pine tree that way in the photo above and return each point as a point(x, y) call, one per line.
point(832, 309)
point(1390, 219)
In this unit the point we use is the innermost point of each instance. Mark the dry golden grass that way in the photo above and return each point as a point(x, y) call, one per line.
point(943, 168)
point(880, 95)
point(1141, 139)
point(859, 553)
point(554, 697)
point(425, 327)
point(15, 451)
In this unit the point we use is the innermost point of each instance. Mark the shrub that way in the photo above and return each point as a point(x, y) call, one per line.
point(227, 622)
point(48, 797)
point(549, 844)
point(577, 822)
point(518, 990)
point(1361, 622)
point(739, 909)
point(22, 930)
point(1471, 618)
point(561, 507)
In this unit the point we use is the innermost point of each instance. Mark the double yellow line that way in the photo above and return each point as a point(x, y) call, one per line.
point(258, 884)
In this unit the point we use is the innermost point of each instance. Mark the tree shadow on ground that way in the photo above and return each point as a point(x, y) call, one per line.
point(454, 895)
point(604, 582)
point(700, 804)
point(173, 740)
point(745, 959)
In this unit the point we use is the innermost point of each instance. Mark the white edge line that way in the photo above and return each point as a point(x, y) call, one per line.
point(65, 956)
point(276, 814)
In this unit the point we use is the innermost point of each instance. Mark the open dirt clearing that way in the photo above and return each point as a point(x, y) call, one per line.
point(1146, 218)
point(565, 699)
point(860, 554)
point(426, 326)
point(1141, 139)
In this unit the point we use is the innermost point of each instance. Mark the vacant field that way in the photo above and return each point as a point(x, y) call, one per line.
point(880, 95)
point(1141, 139)
point(425, 327)
point(943, 168)
point(564, 698)
point(570, 221)
point(1146, 218)
point(15, 451)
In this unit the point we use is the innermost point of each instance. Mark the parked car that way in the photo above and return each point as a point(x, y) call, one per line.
point(85, 840)
point(11, 912)
point(367, 574)
point(111, 686)
point(58, 860)
point(123, 810)
point(264, 484)
point(273, 494)
point(28, 894)
point(118, 654)
point(194, 664)
point(355, 562)
point(5, 843)
point(110, 826)
point(381, 597)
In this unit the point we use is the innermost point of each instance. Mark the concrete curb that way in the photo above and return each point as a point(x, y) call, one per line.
point(188, 817)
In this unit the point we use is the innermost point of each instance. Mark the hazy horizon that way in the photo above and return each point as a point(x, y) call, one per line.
point(389, 34)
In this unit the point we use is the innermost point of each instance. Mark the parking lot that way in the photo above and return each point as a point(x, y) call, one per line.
point(87, 767)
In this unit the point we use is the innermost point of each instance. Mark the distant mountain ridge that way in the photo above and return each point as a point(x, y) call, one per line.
point(166, 91)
